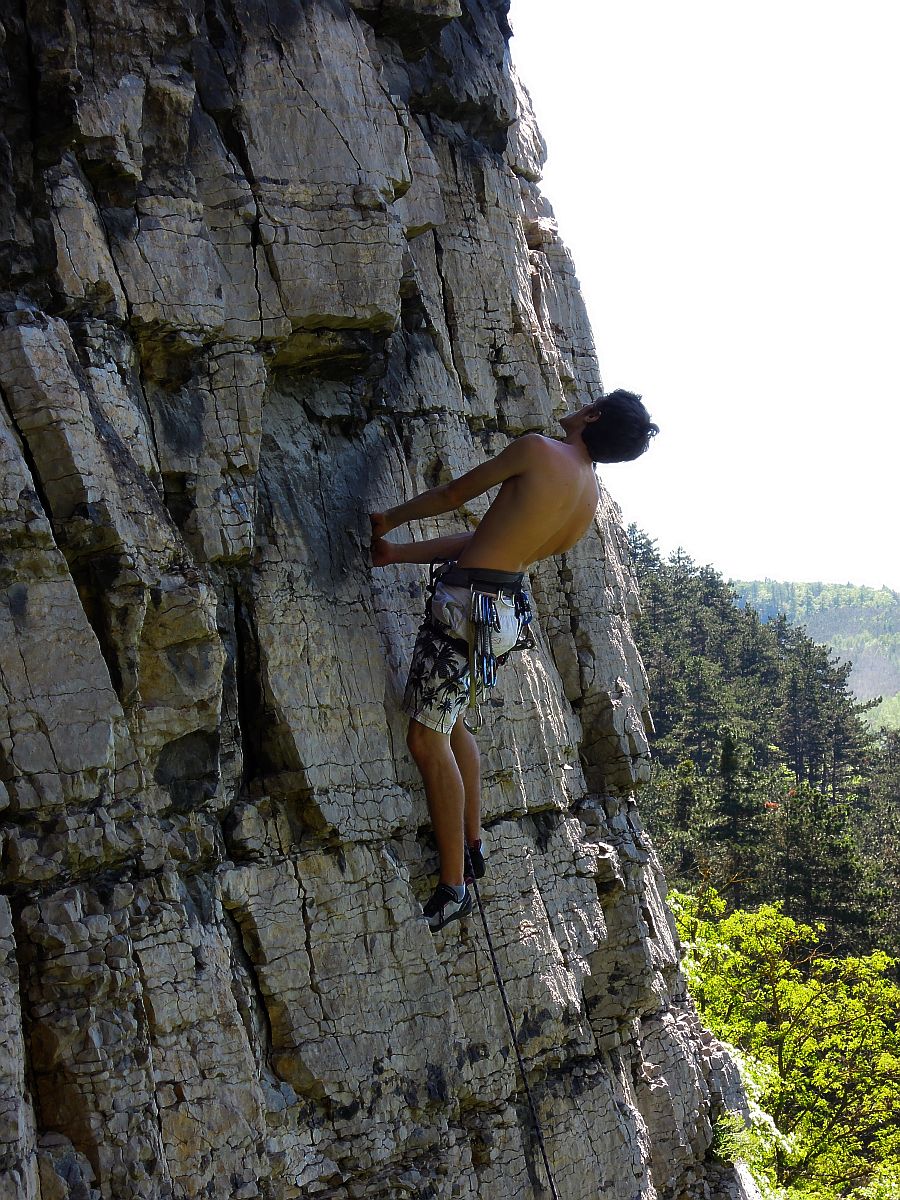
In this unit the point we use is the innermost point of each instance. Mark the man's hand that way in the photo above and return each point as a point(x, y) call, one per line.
point(382, 553)
point(380, 524)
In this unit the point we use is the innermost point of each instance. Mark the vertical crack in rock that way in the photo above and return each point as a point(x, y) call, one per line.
point(146, 408)
point(250, 1001)
point(249, 695)
point(27, 455)
point(144, 1035)
point(234, 141)
point(27, 1102)
point(308, 932)
point(32, 79)
point(447, 305)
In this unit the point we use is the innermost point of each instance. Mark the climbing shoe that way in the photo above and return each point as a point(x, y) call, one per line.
point(444, 907)
point(473, 862)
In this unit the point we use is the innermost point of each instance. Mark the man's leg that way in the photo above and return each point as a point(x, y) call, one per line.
point(445, 793)
point(468, 759)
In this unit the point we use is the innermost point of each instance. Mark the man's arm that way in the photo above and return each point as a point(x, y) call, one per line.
point(449, 496)
point(434, 550)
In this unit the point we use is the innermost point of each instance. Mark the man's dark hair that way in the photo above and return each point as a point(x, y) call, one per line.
point(624, 430)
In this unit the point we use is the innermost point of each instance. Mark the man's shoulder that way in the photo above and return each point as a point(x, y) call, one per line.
point(534, 443)
point(538, 451)
point(527, 453)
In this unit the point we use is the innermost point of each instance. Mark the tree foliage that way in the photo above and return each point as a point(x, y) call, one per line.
point(768, 782)
point(770, 790)
point(818, 1042)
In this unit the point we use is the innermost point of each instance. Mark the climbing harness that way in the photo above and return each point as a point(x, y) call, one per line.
point(539, 1134)
point(487, 589)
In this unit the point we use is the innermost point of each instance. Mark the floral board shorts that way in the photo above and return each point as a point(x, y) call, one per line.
point(437, 689)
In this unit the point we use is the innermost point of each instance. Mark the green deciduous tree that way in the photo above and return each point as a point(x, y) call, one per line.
point(880, 835)
point(821, 1035)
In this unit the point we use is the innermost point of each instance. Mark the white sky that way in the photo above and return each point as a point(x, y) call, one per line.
point(726, 177)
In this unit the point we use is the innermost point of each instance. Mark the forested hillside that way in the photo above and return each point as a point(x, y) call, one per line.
point(768, 782)
point(774, 807)
point(860, 624)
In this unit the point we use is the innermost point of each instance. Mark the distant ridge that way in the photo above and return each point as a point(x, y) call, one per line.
point(860, 624)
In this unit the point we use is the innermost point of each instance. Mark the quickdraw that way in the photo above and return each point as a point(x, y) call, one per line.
point(483, 619)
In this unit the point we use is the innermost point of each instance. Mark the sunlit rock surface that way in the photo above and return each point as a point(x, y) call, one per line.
point(267, 266)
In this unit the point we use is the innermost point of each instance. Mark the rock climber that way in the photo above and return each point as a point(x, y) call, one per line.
point(547, 499)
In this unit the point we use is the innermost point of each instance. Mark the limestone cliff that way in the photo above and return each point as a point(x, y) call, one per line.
point(266, 265)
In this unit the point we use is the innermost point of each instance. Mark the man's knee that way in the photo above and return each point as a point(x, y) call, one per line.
point(424, 743)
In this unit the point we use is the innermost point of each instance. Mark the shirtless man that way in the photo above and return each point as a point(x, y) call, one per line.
point(547, 500)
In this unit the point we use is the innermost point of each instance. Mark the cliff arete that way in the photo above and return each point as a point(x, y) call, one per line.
point(266, 265)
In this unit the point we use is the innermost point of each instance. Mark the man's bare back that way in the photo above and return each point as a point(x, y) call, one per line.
point(543, 510)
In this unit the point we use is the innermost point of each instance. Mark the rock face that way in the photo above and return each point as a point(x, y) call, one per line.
point(266, 266)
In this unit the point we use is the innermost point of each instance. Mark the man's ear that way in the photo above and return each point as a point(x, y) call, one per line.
point(595, 415)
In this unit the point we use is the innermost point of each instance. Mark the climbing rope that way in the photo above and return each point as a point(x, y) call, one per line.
point(515, 1041)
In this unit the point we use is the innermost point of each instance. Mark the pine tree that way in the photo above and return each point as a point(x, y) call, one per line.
point(819, 869)
point(745, 712)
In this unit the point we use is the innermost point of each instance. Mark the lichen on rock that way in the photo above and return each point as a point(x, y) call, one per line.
point(265, 267)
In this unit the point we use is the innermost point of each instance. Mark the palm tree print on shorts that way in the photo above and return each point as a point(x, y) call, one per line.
point(438, 685)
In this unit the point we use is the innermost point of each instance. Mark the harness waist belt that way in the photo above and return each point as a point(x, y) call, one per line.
point(483, 577)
